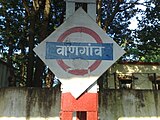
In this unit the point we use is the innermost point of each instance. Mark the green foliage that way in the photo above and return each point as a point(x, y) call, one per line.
point(142, 44)
point(148, 40)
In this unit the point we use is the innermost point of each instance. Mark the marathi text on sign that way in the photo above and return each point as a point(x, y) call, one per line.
point(74, 50)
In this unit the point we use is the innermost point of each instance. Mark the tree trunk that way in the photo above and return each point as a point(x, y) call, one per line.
point(30, 65)
point(31, 13)
point(102, 81)
point(99, 10)
point(43, 33)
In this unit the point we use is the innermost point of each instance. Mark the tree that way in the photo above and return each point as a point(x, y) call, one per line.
point(39, 15)
point(12, 29)
point(147, 36)
point(113, 17)
point(25, 23)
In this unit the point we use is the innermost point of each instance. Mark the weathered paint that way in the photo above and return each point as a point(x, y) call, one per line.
point(29, 103)
point(140, 71)
point(88, 103)
point(136, 68)
point(129, 105)
point(44, 104)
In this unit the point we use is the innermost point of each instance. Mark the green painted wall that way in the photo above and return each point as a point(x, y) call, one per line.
point(140, 71)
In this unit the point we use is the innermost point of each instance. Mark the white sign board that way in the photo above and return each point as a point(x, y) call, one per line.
point(78, 52)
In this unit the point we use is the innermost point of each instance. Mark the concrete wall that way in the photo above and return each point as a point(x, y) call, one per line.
point(44, 104)
point(29, 104)
point(4, 74)
point(129, 105)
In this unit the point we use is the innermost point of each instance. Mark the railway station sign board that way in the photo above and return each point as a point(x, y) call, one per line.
point(78, 52)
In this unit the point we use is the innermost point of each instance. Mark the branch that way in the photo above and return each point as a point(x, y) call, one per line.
point(131, 5)
point(109, 19)
point(117, 9)
point(47, 9)
point(99, 10)
point(26, 6)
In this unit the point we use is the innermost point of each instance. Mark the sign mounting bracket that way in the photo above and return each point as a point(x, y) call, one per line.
point(71, 7)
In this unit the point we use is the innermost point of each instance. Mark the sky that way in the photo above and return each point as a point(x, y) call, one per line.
point(134, 22)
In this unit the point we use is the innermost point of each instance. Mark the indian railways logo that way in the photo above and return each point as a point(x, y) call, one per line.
point(64, 50)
